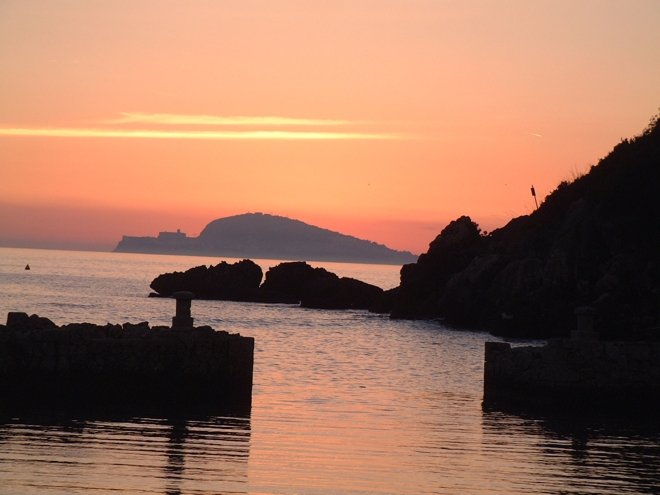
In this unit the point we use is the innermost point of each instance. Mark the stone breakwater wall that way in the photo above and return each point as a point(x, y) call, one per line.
point(123, 364)
point(574, 373)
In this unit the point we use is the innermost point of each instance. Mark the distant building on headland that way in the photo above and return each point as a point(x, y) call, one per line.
point(165, 243)
point(259, 235)
point(171, 236)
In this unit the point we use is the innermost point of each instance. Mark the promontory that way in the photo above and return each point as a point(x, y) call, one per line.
point(263, 236)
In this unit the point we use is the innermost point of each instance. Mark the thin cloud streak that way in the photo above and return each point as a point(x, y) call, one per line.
point(208, 135)
point(175, 119)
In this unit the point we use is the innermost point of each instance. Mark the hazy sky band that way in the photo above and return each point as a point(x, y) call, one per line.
point(174, 119)
point(210, 135)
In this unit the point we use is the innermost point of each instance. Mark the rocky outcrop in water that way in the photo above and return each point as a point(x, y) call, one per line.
point(229, 282)
point(423, 283)
point(289, 283)
point(317, 288)
point(592, 242)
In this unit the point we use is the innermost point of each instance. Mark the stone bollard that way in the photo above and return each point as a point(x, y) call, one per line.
point(182, 320)
point(585, 325)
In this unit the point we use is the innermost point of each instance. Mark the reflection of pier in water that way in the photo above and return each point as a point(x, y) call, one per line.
point(188, 444)
point(176, 456)
point(615, 454)
point(172, 456)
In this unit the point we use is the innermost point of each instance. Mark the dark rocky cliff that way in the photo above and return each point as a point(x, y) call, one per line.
point(592, 242)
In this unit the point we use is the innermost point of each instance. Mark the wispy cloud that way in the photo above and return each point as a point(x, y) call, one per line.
point(535, 135)
point(208, 135)
point(175, 119)
point(262, 128)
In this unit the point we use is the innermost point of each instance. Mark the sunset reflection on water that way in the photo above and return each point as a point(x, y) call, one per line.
point(344, 402)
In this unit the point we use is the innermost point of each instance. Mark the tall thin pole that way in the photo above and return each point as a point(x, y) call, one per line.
point(535, 200)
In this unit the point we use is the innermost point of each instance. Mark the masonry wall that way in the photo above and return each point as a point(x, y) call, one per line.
point(125, 364)
point(566, 373)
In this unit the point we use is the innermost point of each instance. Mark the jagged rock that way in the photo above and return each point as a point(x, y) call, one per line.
point(516, 281)
point(385, 301)
point(340, 293)
point(423, 283)
point(232, 282)
point(465, 293)
point(316, 288)
point(556, 272)
point(290, 281)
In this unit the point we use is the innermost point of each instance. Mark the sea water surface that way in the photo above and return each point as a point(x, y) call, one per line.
point(344, 402)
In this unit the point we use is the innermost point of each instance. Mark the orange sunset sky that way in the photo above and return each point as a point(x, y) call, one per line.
point(380, 119)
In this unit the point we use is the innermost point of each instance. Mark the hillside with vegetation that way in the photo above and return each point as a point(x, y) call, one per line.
point(594, 241)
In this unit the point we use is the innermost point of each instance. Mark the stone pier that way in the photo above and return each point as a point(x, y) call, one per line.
point(580, 372)
point(131, 364)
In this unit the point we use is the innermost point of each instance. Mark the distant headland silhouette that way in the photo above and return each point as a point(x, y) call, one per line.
point(260, 235)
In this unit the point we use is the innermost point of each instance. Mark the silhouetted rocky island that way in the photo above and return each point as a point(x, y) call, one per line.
point(593, 242)
point(262, 236)
point(289, 283)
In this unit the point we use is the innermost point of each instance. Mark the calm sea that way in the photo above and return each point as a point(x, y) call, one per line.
point(344, 402)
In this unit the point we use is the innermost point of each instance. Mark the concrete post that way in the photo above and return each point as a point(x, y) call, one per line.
point(182, 319)
point(585, 324)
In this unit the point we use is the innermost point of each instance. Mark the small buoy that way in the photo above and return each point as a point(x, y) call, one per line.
point(27, 267)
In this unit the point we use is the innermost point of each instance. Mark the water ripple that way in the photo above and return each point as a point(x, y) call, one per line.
point(344, 402)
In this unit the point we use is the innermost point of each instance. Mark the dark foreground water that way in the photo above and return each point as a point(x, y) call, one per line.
point(344, 402)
